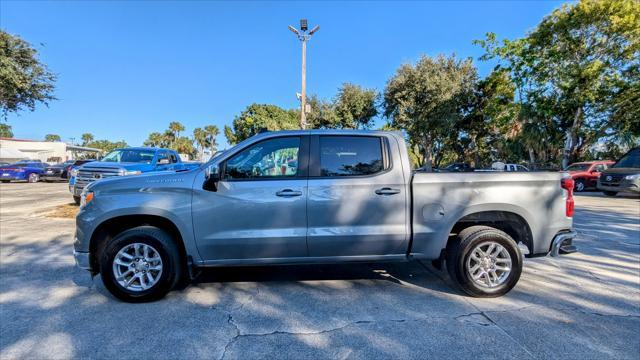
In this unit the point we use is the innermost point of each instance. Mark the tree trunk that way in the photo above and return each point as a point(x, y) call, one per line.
point(474, 146)
point(532, 158)
point(428, 153)
point(571, 138)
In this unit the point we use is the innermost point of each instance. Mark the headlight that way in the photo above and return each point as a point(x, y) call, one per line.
point(632, 177)
point(74, 172)
point(130, 172)
point(86, 198)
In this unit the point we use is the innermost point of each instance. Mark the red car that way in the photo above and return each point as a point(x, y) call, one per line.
point(586, 174)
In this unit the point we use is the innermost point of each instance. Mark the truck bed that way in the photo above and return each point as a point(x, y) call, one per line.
point(441, 199)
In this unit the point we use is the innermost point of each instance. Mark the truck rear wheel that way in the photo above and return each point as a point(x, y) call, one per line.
point(484, 261)
point(141, 264)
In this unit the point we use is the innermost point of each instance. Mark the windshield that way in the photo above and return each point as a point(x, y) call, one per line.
point(130, 155)
point(578, 167)
point(631, 160)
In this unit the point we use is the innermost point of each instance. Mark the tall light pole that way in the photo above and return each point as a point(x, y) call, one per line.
point(303, 36)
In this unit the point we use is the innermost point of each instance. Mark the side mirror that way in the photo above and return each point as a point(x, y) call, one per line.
point(164, 161)
point(211, 178)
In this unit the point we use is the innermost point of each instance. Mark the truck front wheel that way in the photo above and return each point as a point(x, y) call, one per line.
point(484, 261)
point(141, 264)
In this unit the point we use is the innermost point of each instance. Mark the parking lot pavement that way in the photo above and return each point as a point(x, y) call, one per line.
point(585, 305)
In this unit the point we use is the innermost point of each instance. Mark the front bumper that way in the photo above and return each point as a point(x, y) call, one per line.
point(563, 243)
point(54, 177)
point(623, 185)
point(82, 260)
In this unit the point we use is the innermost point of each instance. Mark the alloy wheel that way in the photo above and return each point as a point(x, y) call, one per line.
point(489, 264)
point(137, 267)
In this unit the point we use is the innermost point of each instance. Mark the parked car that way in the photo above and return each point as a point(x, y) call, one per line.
point(515, 167)
point(623, 176)
point(319, 196)
point(124, 162)
point(585, 174)
point(456, 167)
point(22, 171)
point(57, 172)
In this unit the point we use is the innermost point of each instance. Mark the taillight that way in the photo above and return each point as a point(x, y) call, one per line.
point(568, 184)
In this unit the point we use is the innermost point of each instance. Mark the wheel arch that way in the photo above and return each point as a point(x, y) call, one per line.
point(510, 222)
point(111, 227)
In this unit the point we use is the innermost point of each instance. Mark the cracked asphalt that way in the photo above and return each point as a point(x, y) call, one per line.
point(585, 305)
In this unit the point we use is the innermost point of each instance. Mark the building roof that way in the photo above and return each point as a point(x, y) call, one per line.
point(82, 148)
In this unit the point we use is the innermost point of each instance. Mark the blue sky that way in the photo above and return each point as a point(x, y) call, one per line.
point(126, 69)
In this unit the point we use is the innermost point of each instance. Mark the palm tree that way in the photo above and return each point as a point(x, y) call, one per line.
point(169, 139)
point(212, 132)
point(87, 138)
point(155, 139)
point(175, 127)
point(200, 137)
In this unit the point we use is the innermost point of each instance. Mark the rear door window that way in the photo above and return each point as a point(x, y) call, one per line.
point(350, 155)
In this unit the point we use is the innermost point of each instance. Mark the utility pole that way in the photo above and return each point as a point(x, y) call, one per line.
point(303, 36)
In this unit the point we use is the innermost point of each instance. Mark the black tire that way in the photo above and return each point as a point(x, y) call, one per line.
point(610, 193)
point(579, 185)
point(168, 251)
point(459, 250)
point(76, 199)
point(33, 178)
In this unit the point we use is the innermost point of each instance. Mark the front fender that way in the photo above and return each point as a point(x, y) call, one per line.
point(174, 206)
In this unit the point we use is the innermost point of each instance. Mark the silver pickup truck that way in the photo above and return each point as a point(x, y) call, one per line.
point(319, 196)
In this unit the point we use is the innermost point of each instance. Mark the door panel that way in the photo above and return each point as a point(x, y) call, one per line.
point(247, 220)
point(355, 214)
point(259, 209)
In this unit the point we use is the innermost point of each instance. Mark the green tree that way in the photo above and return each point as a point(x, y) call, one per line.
point(492, 114)
point(24, 80)
point(355, 107)
point(106, 146)
point(52, 137)
point(5, 131)
point(184, 145)
point(200, 138)
point(211, 133)
point(323, 114)
point(257, 117)
point(175, 128)
point(168, 139)
point(426, 101)
point(87, 138)
point(155, 139)
point(578, 67)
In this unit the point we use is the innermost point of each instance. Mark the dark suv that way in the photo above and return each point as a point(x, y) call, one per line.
point(623, 176)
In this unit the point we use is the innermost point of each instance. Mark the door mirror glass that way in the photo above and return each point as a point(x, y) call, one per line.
point(164, 161)
point(211, 178)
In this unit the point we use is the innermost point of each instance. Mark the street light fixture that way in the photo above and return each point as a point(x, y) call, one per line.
point(303, 36)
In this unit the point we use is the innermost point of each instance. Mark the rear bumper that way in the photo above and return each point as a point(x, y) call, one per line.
point(563, 243)
point(13, 177)
point(82, 260)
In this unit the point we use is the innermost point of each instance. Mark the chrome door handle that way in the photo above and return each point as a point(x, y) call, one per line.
point(387, 191)
point(288, 193)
